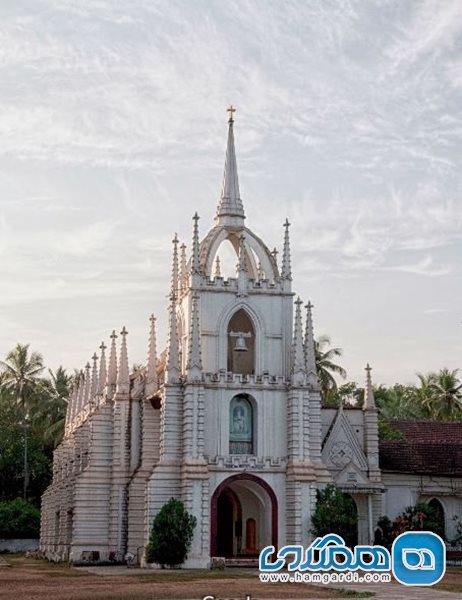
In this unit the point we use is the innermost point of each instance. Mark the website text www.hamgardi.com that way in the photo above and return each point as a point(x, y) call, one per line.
point(325, 577)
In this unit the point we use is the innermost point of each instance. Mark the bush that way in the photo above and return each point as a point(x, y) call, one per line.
point(19, 519)
point(421, 517)
point(171, 535)
point(335, 513)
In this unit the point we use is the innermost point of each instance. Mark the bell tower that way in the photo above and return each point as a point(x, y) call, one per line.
point(239, 445)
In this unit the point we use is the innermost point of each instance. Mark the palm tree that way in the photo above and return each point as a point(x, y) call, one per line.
point(326, 368)
point(49, 412)
point(440, 395)
point(447, 395)
point(20, 372)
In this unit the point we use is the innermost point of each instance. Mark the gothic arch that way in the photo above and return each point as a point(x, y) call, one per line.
point(242, 440)
point(216, 236)
point(440, 513)
point(258, 327)
point(242, 477)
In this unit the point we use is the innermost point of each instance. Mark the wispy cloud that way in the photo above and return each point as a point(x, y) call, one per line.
point(112, 125)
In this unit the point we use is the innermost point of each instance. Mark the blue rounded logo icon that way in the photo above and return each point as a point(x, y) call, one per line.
point(418, 558)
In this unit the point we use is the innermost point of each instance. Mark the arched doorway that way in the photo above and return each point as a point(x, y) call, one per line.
point(438, 525)
point(244, 517)
point(350, 535)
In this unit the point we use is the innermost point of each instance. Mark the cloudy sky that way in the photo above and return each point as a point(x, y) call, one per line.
point(349, 122)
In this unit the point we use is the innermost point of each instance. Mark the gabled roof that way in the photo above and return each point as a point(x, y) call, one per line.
point(428, 448)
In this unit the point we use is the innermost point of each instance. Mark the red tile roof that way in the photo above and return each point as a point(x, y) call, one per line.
point(428, 447)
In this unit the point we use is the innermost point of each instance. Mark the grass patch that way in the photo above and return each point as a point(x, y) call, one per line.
point(52, 569)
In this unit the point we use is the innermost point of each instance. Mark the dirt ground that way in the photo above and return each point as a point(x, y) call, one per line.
point(38, 580)
point(29, 579)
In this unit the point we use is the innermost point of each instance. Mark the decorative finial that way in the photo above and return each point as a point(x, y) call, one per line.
point(298, 358)
point(260, 272)
point(182, 284)
point(102, 370)
point(112, 369)
point(194, 361)
point(230, 110)
point(286, 268)
point(310, 347)
point(369, 400)
point(174, 283)
point(242, 263)
point(195, 259)
point(217, 267)
point(123, 374)
point(151, 370)
point(86, 398)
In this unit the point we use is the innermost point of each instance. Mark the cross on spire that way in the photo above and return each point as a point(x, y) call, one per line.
point(230, 110)
point(230, 210)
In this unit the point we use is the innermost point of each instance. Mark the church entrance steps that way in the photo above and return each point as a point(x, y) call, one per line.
point(242, 562)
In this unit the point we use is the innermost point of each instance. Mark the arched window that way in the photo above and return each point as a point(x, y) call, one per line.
point(240, 425)
point(241, 344)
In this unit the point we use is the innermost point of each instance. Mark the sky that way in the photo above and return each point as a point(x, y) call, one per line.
point(348, 122)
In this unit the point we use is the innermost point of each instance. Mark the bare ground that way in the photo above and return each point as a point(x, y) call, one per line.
point(29, 579)
point(39, 580)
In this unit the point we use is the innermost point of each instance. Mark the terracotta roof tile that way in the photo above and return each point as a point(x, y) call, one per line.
point(429, 447)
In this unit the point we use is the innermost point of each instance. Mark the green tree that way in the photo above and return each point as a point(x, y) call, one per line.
point(326, 367)
point(19, 519)
point(171, 535)
point(21, 370)
point(446, 394)
point(49, 410)
point(12, 443)
point(398, 402)
point(335, 512)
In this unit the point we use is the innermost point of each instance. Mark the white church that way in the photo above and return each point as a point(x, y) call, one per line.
point(227, 418)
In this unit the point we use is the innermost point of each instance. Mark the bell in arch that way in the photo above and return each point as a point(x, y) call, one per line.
point(240, 345)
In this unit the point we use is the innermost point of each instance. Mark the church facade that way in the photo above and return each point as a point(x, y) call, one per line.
point(227, 418)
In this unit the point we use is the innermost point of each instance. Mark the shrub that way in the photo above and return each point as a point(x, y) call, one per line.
point(19, 519)
point(335, 513)
point(421, 517)
point(171, 535)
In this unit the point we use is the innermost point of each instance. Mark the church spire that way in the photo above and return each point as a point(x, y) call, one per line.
point(102, 370)
point(112, 370)
point(94, 378)
point(369, 400)
point(195, 257)
point(298, 360)
point(173, 359)
point(183, 270)
point(80, 393)
point(174, 282)
point(286, 271)
point(151, 369)
point(310, 347)
point(87, 389)
point(123, 375)
point(230, 208)
point(194, 364)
